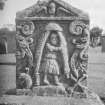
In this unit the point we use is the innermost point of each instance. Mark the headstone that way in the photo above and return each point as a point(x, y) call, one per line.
point(52, 42)
point(3, 45)
point(103, 43)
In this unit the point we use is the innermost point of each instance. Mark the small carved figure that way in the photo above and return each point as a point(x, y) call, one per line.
point(52, 9)
point(25, 81)
point(25, 49)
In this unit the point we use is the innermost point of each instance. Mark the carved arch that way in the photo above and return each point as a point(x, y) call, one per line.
point(41, 44)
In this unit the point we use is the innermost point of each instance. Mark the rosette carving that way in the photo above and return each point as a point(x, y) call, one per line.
point(27, 28)
point(76, 27)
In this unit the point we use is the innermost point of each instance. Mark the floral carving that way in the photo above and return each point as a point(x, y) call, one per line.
point(76, 27)
point(79, 59)
point(24, 48)
point(27, 28)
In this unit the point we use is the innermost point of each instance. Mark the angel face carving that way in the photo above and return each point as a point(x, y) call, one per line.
point(52, 9)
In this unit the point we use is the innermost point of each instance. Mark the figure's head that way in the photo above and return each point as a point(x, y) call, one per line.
point(54, 38)
point(27, 70)
point(52, 8)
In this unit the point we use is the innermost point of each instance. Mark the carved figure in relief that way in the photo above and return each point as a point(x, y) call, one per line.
point(54, 45)
point(50, 64)
point(25, 80)
point(52, 9)
point(80, 57)
point(24, 46)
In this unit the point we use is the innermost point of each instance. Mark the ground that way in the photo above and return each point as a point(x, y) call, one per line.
point(96, 71)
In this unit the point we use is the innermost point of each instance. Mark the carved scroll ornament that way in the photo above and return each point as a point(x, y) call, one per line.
point(27, 28)
point(24, 45)
point(76, 27)
point(24, 30)
point(24, 52)
point(79, 59)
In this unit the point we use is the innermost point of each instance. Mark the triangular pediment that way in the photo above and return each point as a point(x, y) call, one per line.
point(51, 8)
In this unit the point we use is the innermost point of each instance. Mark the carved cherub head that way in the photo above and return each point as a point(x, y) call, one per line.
point(52, 9)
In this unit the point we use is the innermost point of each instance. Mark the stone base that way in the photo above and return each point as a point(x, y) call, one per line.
point(92, 99)
point(49, 91)
point(46, 91)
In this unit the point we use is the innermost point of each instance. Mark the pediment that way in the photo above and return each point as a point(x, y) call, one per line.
point(51, 8)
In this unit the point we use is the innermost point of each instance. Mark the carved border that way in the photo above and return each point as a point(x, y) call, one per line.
point(54, 18)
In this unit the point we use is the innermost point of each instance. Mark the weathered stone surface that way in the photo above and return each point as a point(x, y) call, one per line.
point(40, 10)
point(92, 99)
point(52, 40)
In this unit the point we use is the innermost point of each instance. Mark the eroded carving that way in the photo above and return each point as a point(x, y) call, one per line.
point(76, 27)
point(24, 52)
point(52, 9)
point(52, 64)
point(25, 79)
point(79, 59)
point(54, 45)
point(27, 28)
point(24, 40)
point(24, 48)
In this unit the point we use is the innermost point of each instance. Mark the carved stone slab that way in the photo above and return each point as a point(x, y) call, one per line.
point(52, 43)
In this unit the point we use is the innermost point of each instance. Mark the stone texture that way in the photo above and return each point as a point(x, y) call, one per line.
point(72, 27)
point(53, 36)
point(92, 99)
point(49, 91)
point(39, 6)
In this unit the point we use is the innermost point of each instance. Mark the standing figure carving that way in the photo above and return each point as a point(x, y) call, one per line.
point(55, 46)
point(50, 64)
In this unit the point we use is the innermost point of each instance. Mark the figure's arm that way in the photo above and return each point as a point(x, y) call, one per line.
point(52, 48)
